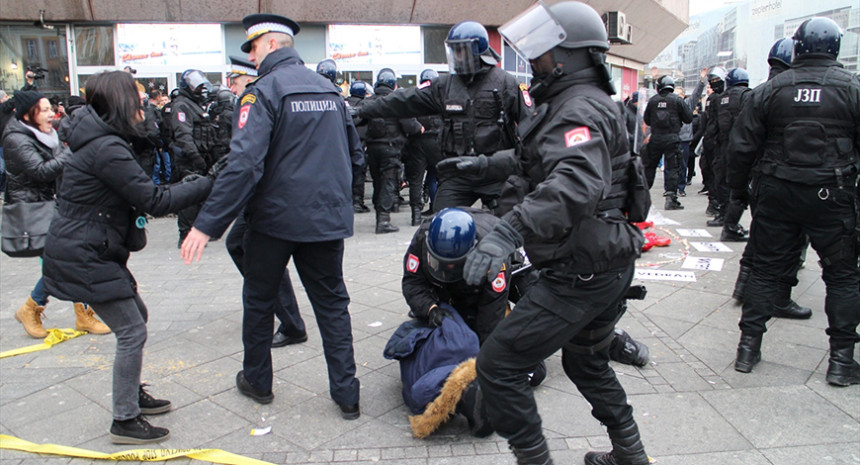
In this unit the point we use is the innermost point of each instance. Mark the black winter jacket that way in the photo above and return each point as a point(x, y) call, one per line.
point(31, 166)
point(86, 255)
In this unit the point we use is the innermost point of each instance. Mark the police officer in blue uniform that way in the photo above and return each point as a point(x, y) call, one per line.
point(802, 130)
point(480, 105)
point(292, 328)
point(574, 229)
point(665, 113)
point(290, 167)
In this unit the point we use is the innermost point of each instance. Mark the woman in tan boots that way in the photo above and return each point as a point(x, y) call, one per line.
point(34, 160)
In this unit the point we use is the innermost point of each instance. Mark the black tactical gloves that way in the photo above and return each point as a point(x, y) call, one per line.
point(488, 256)
point(451, 167)
point(435, 316)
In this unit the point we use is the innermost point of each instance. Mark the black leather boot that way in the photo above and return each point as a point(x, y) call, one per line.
point(717, 221)
point(784, 307)
point(713, 209)
point(627, 449)
point(624, 349)
point(535, 455)
point(383, 223)
point(672, 202)
point(471, 406)
point(416, 216)
point(843, 370)
point(741, 283)
point(749, 352)
point(733, 233)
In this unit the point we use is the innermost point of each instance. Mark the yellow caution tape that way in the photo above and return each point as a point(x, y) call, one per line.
point(55, 336)
point(135, 455)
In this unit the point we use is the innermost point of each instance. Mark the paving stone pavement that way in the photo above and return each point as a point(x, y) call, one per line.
point(691, 406)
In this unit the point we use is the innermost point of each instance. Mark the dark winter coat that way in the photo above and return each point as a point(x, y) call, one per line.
point(86, 255)
point(31, 166)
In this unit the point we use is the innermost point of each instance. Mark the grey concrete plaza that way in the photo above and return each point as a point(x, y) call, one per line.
point(691, 406)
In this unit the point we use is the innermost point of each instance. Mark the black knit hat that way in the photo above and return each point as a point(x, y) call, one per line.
point(24, 101)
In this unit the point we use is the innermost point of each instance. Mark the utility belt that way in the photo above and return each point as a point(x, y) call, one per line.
point(592, 341)
point(841, 177)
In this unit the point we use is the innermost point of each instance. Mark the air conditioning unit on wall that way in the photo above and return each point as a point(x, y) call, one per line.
point(617, 29)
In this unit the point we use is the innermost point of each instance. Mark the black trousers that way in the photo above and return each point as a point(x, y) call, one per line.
point(320, 267)
point(464, 191)
point(421, 153)
point(668, 148)
point(358, 178)
point(287, 308)
point(783, 211)
point(384, 163)
point(558, 307)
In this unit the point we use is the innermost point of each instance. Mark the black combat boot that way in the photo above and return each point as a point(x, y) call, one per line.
point(741, 283)
point(733, 233)
point(672, 202)
point(627, 449)
point(535, 455)
point(785, 307)
point(749, 352)
point(416, 216)
point(471, 406)
point(713, 209)
point(843, 370)
point(383, 223)
point(624, 349)
point(717, 221)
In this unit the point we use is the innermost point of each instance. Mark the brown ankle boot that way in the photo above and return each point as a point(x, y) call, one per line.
point(85, 320)
point(30, 315)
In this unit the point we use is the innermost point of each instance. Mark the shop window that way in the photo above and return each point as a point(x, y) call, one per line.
point(434, 44)
point(94, 45)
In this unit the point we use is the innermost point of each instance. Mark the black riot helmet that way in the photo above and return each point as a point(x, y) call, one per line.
point(737, 77)
point(467, 41)
point(328, 68)
point(358, 89)
point(195, 84)
point(427, 75)
point(818, 36)
point(386, 77)
point(717, 79)
point(665, 83)
point(450, 237)
point(781, 53)
point(572, 30)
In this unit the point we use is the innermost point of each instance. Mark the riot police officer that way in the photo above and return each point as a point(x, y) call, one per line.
point(802, 131)
point(665, 113)
point(386, 137)
point(573, 226)
point(422, 152)
point(710, 161)
point(480, 105)
point(328, 68)
point(779, 59)
point(733, 204)
point(201, 125)
point(357, 93)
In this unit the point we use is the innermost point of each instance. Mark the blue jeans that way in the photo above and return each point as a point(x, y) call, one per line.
point(39, 294)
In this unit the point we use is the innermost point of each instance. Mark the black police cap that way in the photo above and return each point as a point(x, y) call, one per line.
point(260, 23)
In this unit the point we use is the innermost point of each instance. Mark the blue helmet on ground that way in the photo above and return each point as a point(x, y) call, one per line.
point(386, 77)
point(427, 75)
point(466, 42)
point(737, 77)
point(450, 237)
point(782, 52)
point(328, 68)
point(358, 89)
point(818, 35)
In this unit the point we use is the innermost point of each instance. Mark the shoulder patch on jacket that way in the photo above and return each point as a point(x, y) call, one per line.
point(424, 84)
point(577, 136)
point(180, 115)
point(250, 99)
point(412, 263)
point(243, 115)
point(527, 98)
point(499, 284)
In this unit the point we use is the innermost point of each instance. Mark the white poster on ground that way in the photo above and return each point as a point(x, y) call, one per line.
point(703, 263)
point(666, 275)
point(711, 247)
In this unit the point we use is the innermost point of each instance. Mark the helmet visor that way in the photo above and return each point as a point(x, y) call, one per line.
point(195, 79)
point(462, 57)
point(443, 269)
point(534, 32)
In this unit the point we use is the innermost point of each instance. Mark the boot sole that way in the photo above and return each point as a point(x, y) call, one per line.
point(842, 381)
point(117, 439)
point(34, 336)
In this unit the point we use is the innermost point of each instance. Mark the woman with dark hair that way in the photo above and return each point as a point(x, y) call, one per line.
point(102, 192)
point(34, 160)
